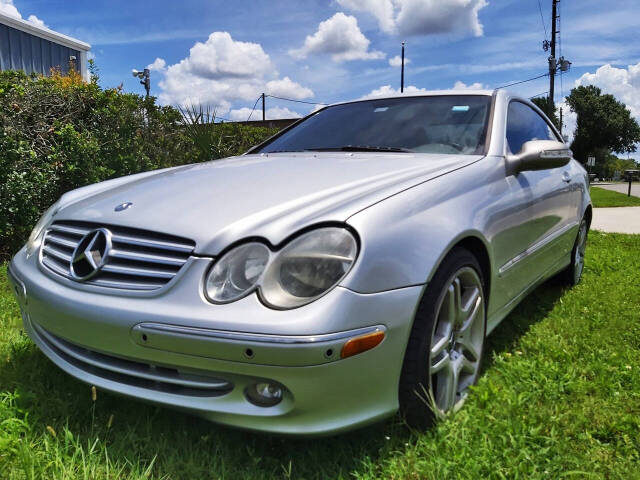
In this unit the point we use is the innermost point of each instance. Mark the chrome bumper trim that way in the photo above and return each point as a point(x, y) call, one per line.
point(252, 337)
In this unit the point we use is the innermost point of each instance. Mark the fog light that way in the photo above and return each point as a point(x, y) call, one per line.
point(264, 394)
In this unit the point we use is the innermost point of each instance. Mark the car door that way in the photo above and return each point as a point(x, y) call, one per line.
point(538, 238)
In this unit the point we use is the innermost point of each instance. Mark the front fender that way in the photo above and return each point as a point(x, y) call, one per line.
point(405, 237)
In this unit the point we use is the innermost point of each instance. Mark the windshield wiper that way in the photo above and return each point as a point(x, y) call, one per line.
point(359, 148)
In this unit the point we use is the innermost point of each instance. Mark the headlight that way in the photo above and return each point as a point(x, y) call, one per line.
point(305, 269)
point(36, 234)
point(237, 272)
point(308, 267)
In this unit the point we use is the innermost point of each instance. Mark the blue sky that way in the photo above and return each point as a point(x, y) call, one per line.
point(282, 46)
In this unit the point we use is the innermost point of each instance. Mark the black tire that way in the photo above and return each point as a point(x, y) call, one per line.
point(572, 275)
point(415, 378)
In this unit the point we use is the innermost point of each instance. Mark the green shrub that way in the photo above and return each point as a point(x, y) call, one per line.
point(58, 133)
point(219, 140)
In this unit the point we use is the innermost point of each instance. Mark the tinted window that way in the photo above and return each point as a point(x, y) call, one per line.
point(525, 124)
point(432, 124)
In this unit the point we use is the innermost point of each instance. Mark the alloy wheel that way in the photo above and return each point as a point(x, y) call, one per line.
point(581, 246)
point(457, 340)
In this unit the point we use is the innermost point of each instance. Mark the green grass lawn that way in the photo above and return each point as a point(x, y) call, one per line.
point(559, 397)
point(601, 197)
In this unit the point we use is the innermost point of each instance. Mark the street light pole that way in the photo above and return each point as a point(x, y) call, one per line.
point(145, 78)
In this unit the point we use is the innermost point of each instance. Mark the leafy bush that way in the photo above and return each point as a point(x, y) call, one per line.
point(58, 133)
point(219, 140)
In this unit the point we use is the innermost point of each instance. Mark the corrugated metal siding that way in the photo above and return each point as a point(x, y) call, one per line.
point(22, 51)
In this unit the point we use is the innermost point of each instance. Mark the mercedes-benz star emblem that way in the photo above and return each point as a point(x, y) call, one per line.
point(123, 206)
point(91, 254)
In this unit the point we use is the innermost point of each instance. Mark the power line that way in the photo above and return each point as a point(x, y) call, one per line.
point(522, 81)
point(542, 19)
point(254, 107)
point(297, 101)
point(560, 42)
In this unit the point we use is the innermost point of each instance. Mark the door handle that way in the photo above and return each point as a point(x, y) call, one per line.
point(566, 177)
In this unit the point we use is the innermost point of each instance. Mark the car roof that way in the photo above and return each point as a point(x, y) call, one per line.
point(423, 93)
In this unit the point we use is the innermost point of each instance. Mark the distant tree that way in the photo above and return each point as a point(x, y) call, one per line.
point(543, 104)
point(603, 125)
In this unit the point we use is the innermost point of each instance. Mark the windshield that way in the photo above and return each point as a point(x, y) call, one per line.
point(450, 124)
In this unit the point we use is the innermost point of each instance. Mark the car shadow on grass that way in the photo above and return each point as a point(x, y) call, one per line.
point(533, 309)
point(184, 446)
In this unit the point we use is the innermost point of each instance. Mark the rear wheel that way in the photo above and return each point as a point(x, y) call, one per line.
point(573, 273)
point(446, 344)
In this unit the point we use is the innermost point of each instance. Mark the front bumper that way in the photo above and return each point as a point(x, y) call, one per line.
point(178, 350)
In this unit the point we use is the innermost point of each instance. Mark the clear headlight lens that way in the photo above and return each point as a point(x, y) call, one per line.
point(305, 269)
point(308, 267)
point(36, 234)
point(237, 272)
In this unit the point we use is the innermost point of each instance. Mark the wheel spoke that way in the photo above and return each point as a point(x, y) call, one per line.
point(440, 364)
point(439, 346)
point(470, 301)
point(471, 313)
point(447, 385)
point(467, 365)
point(468, 346)
point(457, 298)
point(449, 310)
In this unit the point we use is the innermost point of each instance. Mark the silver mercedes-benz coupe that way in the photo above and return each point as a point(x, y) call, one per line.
point(349, 267)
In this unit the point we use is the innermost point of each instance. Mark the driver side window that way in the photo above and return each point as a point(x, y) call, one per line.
point(525, 124)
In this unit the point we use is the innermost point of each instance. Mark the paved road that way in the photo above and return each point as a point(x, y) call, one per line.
point(622, 188)
point(617, 220)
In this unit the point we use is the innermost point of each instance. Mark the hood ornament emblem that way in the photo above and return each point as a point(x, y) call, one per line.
point(123, 206)
point(90, 255)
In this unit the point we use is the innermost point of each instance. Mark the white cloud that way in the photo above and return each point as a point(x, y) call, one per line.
point(222, 71)
point(622, 83)
point(36, 21)
point(383, 10)
point(422, 17)
point(340, 37)
point(222, 57)
point(397, 61)
point(8, 8)
point(463, 86)
point(286, 87)
point(158, 64)
point(274, 113)
point(569, 120)
point(388, 90)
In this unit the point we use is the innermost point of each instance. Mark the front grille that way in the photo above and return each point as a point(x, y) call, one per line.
point(135, 373)
point(138, 259)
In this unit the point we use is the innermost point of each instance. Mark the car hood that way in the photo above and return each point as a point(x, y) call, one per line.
point(265, 195)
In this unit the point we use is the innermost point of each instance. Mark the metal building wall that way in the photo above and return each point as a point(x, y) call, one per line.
point(21, 51)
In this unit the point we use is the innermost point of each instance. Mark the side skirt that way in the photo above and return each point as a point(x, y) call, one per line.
point(500, 315)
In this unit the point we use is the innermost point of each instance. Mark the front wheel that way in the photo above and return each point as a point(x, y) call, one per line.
point(446, 344)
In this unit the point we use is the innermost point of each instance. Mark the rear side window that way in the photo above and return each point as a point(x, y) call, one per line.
point(525, 124)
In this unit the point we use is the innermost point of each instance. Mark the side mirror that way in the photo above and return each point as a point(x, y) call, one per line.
point(539, 155)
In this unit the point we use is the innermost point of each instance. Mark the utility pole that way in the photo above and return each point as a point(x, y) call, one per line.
point(402, 71)
point(561, 125)
point(552, 59)
point(263, 109)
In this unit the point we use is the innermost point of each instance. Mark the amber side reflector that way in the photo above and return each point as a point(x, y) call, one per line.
point(361, 344)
